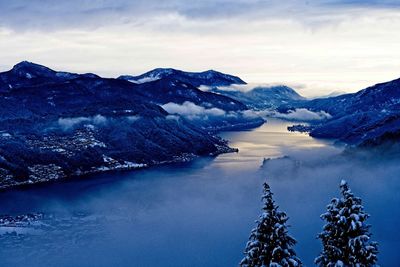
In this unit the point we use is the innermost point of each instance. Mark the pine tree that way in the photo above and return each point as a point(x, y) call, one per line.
point(269, 243)
point(345, 237)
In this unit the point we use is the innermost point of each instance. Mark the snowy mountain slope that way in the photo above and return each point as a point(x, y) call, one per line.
point(362, 117)
point(383, 96)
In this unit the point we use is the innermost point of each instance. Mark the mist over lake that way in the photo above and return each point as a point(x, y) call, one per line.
point(200, 213)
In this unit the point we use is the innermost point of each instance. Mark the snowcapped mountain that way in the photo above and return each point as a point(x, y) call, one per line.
point(207, 78)
point(263, 97)
point(383, 96)
point(370, 116)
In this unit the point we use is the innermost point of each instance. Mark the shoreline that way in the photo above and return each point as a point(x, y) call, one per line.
point(183, 158)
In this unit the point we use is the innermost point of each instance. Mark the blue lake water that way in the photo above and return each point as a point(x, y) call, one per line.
point(201, 213)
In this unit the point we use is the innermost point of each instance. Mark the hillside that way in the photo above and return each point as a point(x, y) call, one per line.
point(370, 116)
point(56, 125)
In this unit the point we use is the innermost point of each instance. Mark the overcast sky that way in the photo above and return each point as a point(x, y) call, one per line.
point(315, 46)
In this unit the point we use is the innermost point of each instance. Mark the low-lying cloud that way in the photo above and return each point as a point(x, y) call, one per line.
point(133, 118)
point(208, 116)
point(69, 123)
point(192, 111)
point(301, 114)
point(244, 87)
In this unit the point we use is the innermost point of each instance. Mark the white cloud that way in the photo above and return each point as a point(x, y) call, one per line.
point(173, 117)
point(99, 119)
point(191, 110)
point(69, 123)
point(133, 118)
point(244, 87)
point(250, 114)
point(301, 114)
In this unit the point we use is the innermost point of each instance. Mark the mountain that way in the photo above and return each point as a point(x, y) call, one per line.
point(382, 96)
point(332, 94)
point(165, 90)
point(370, 116)
point(207, 78)
point(263, 97)
point(56, 125)
point(160, 84)
point(178, 92)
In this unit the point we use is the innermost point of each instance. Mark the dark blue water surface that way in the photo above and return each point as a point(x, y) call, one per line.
point(199, 214)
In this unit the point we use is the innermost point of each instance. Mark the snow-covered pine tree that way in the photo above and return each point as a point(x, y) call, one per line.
point(346, 237)
point(269, 244)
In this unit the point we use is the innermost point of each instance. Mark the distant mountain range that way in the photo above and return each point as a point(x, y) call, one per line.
point(263, 97)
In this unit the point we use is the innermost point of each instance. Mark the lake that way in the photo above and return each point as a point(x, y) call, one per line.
point(200, 213)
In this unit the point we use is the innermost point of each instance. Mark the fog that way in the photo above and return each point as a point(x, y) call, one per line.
point(201, 213)
point(212, 116)
point(311, 178)
point(69, 123)
point(302, 114)
point(192, 111)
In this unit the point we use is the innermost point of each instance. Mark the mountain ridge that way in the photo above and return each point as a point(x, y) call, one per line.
point(208, 78)
point(262, 97)
point(55, 125)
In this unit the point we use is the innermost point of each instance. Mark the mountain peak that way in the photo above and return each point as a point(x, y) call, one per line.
point(27, 64)
point(23, 63)
point(212, 71)
point(167, 70)
point(31, 70)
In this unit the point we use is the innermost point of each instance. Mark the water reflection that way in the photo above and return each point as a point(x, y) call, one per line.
point(270, 140)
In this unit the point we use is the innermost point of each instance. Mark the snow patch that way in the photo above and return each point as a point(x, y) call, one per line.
point(144, 80)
